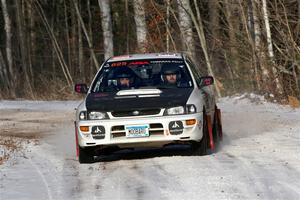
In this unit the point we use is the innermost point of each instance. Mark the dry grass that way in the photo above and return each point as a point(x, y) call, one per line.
point(45, 89)
point(294, 102)
point(9, 146)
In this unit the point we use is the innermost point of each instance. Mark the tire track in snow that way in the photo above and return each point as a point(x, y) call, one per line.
point(44, 180)
point(126, 179)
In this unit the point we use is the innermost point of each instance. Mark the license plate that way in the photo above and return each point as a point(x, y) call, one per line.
point(133, 131)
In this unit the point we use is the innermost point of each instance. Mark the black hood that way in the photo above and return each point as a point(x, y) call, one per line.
point(109, 101)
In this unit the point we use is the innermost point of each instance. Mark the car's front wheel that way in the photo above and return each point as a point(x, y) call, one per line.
point(200, 148)
point(85, 155)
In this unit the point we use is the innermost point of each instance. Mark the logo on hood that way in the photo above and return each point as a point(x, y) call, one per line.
point(136, 112)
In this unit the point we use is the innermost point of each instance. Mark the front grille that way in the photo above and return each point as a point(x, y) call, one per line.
point(130, 113)
point(154, 129)
point(118, 131)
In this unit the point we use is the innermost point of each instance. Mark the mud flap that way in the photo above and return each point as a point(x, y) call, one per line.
point(219, 123)
point(76, 140)
point(210, 132)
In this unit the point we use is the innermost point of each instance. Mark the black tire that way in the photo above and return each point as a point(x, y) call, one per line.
point(85, 155)
point(200, 148)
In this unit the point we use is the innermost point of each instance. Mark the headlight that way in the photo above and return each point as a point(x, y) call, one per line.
point(97, 115)
point(175, 110)
point(179, 110)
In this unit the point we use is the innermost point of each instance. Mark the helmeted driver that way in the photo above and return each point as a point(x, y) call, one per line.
point(124, 79)
point(170, 74)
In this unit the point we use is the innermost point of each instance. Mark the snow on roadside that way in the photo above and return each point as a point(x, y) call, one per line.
point(39, 105)
point(263, 140)
point(258, 159)
point(11, 148)
point(20, 130)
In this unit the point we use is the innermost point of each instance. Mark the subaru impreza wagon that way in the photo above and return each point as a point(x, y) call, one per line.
point(147, 100)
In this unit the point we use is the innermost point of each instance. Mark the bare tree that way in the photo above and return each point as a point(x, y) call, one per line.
point(74, 40)
point(67, 33)
point(247, 22)
point(260, 55)
point(232, 26)
point(3, 72)
point(106, 28)
point(186, 28)
point(197, 21)
point(168, 24)
point(86, 34)
point(31, 38)
point(57, 48)
point(249, 44)
point(164, 19)
point(90, 31)
point(80, 43)
point(8, 46)
point(140, 22)
point(24, 53)
point(298, 21)
point(270, 46)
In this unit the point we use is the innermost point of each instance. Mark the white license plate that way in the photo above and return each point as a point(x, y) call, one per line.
point(133, 131)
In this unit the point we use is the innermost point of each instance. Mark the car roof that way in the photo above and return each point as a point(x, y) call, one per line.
point(146, 56)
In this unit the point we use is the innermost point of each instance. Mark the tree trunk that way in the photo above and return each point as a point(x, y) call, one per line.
point(58, 51)
point(126, 29)
point(8, 47)
point(260, 55)
point(74, 40)
point(80, 45)
point(23, 49)
point(90, 31)
point(233, 24)
point(140, 22)
point(298, 22)
point(247, 22)
point(186, 28)
point(199, 27)
point(127, 26)
point(30, 47)
point(67, 34)
point(214, 26)
point(3, 72)
point(86, 35)
point(168, 25)
point(106, 28)
point(296, 78)
point(52, 22)
point(270, 46)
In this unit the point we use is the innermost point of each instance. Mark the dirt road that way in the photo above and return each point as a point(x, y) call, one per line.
point(259, 158)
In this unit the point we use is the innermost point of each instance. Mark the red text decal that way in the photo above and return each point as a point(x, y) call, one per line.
point(118, 64)
point(139, 63)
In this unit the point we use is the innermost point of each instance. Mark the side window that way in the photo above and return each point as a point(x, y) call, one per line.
point(97, 82)
point(195, 72)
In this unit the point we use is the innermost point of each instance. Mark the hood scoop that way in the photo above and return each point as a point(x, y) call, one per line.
point(140, 92)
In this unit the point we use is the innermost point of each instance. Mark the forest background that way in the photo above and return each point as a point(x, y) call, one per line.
point(247, 45)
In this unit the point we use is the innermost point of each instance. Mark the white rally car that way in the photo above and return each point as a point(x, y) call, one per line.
point(146, 100)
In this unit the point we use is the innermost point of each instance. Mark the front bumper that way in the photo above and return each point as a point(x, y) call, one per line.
point(159, 133)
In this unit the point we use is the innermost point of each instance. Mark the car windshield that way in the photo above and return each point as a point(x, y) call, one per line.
point(136, 74)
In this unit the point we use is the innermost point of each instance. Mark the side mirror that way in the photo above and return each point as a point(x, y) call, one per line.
point(206, 81)
point(81, 88)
